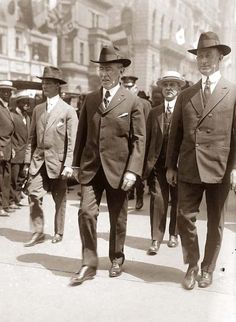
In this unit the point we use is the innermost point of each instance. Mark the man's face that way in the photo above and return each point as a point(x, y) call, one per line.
point(23, 104)
point(109, 74)
point(208, 60)
point(51, 87)
point(170, 89)
point(5, 94)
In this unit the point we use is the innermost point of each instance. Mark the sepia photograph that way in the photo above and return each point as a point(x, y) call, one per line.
point(117, 161)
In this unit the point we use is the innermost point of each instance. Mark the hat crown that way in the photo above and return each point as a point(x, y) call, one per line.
point(53, 73)
point(171, 75)
point(6, 84)
point(129, 80)
point(110, 54)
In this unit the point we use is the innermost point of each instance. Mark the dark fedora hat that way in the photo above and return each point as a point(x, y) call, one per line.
point(210, 39)
point(51, 72)
point(110, 54)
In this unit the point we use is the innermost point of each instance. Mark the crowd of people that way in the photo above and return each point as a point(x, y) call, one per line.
point(182, 142)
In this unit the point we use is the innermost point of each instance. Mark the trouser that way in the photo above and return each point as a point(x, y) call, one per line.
point(17, 180)
point(160, 192)
point(139, 187)
point(38, 186)
point(190, 197)
point(5, 183)
point(117, 202)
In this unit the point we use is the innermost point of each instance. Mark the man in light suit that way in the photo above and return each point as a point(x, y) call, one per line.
point(6, 132)
point(49, 154)
point(109, 151)
point(158, 125)
point(202, 152)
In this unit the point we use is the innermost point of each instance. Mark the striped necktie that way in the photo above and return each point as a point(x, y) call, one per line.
point(105, 100)
point(207, 90)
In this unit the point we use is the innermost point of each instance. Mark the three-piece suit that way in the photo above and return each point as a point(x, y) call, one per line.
point(50, 149)
point(158, 125)
point(202, 145)
point(6, 131)
point(110, 142)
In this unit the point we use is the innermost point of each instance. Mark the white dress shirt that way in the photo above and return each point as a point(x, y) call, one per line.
point(51, 102)
point(112, 92)
point(213, 78)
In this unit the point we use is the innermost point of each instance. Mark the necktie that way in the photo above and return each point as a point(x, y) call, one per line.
point(105, 100)
point(207, 90)
point(168, 111)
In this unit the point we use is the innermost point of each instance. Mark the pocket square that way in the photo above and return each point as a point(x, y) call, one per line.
point(60, 123)
point(124, 114)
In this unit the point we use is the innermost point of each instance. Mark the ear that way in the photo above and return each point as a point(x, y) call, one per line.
point(221, 56)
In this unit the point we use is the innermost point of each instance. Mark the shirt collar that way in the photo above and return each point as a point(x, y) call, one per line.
point(171, 104)
point(214, 78)
point(112, 90)
point(53, 100)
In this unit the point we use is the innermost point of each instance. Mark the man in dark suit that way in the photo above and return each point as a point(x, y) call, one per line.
point(202, 152)
point(20, 137)
point(49, 155)
point(129, 82)
point(109, 151)
point(158, 125)
point(6, 131)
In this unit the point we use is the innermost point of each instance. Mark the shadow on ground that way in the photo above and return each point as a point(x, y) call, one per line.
point(18, 236)
point(65, 266)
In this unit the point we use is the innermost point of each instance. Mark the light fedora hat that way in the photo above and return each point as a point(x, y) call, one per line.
point(210, 39)
point(171, 76)
point(51, 72)
point(7, 84)
point(110, 54)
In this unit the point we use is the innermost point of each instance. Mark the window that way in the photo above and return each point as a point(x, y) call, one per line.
point(162, 26)
point(40, 52)
point(81, 53)
point(154, 25)
point(69, 49)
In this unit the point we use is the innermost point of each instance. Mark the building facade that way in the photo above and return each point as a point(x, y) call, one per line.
point(155, 34)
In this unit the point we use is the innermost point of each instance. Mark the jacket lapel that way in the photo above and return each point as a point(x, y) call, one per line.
point(116, 100)
point(160, 119)
point(54, 114)
point(218, 94)
point(197, 99)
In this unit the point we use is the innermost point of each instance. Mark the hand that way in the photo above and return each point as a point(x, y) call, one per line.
point(233, 180)
point(1, 156)
point(26, 170)
point(128, 180)
point(171, 177)
point(67, 172)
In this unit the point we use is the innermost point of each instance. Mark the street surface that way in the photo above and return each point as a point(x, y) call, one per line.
point(35, 281)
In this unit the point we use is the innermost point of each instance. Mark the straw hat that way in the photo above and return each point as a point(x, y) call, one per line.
point(171, 76)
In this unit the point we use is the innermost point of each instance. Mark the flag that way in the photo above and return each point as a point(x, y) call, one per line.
point(10, 12)
point(180, 36)
point(118, 36)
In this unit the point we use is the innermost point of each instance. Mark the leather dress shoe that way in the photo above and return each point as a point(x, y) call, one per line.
point(116, 269)
point(85, 273)
point(139, 204)
point(190, 277)
point(3, 213)
point(36, 239)
point(153, 249)
point(8, 209)
point(173, 241)
point(57, 238)
point(14, 206)
point(205, 279)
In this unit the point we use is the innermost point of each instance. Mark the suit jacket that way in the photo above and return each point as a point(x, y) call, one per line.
point(114, 138)
point(202, 140)
point(6, 131)
point(20, 137)
point(52, 138)
point(154, 141)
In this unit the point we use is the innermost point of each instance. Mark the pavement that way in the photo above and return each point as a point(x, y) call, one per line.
point(34, 281)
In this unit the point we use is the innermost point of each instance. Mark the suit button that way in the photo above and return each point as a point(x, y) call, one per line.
point(198, 116)
point(196, 145)
point(208, 131)
point(210, 115)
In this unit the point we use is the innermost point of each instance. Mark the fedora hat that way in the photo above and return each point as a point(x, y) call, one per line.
point(210, 39)
point(171, 76)
point(111, 54)
point(51, 72)
point(7, 85)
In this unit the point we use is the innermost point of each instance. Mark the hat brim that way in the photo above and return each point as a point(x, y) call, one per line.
point(61, 81)
point(171, 79)
point(223, 48)
point(124, 61)
point(23, 98)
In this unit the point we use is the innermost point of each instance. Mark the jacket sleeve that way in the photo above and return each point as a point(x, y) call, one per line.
point(72, 125)
point(32, 142)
